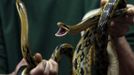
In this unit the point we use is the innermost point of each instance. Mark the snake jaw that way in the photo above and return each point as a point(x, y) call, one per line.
point(63, 30)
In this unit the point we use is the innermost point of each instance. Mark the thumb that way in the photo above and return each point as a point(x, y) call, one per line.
point(21, 64)
point(103, 2)
point(38, 58)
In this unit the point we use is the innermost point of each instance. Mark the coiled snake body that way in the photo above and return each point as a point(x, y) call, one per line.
point(90, 56)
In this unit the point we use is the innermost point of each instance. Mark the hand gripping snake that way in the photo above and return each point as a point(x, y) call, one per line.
point(90, 56)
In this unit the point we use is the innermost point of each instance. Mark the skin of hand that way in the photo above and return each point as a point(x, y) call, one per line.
point(44, 67)
point(118, 27)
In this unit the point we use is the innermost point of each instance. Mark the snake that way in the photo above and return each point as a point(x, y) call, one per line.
point(90, 56)
point(25, 50)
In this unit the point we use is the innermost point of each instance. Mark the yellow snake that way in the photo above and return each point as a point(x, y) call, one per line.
point(24, 35)
point(90, 56)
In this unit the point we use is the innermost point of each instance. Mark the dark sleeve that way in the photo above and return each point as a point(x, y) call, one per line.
point(3, 68)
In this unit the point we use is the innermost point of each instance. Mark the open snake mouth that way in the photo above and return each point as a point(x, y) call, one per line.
point(63, 30)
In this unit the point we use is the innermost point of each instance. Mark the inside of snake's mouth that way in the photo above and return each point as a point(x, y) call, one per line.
point(62, 31)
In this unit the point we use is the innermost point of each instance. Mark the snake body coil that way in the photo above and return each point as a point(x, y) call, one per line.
point(90, 56)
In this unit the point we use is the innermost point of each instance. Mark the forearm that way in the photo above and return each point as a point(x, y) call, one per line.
point(125, 56)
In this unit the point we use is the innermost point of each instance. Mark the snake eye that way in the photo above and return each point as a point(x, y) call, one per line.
point(63, 29)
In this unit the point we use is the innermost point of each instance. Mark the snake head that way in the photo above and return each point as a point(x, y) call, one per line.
point(63, 29)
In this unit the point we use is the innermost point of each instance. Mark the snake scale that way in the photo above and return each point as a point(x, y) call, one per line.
point(90, 56)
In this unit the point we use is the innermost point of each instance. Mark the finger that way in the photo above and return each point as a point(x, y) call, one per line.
point(22, 63)
point(46, 69)
point(118, 24)
point(53, 67)
point(103, 2)
point(38, 58)
point(39, 69)
point(119, 30)
point(130, 5)
point(126, 19)
point(130, 10)
point(130, 13)
point(129, 19)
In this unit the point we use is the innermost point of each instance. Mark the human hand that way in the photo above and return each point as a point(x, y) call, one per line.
point(44, 67)
point(120, 25)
